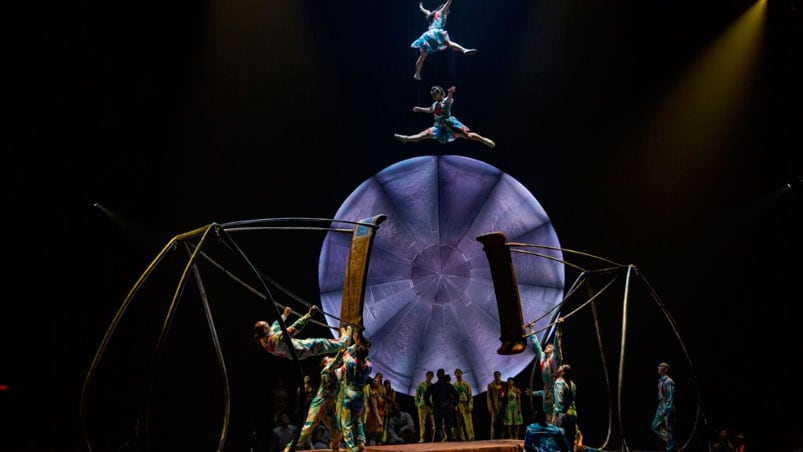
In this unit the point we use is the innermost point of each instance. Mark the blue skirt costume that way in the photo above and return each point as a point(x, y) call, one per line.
point(446, 127)
point(436, 36)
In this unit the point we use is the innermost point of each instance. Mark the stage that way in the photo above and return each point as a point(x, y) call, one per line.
point(497, 445)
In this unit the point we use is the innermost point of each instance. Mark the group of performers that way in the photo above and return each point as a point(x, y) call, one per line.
point(555, 424)
point(338, 402)
point(346, 369)
point(444, 408)
point(340, 397)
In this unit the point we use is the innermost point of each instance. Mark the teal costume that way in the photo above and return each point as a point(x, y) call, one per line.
point(436, 36)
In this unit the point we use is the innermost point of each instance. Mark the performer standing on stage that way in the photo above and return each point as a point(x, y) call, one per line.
point(271, 338)
point(436, 38)
point(512, 417)
point(664, 422)
point(495, 396)
point(446, 128)
point(465, 408)
point(322, 408)
point(374, 412)
point(355, 372)
point(565, 415)
point(444, 400)
point(426, 417)
point(548, 360)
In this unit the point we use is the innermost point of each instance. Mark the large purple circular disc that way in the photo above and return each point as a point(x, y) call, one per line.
point(430, 301)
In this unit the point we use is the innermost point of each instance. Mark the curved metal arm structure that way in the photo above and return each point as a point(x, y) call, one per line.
point(363, 232)
point(513, 337)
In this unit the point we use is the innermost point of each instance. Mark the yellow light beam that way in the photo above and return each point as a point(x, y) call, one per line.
point(695, 122)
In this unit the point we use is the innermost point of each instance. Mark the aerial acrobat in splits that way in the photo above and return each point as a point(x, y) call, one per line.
point(436, 38)
point(446, 127)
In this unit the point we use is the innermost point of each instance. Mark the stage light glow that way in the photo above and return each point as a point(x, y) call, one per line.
point(711, 96)
point(698, 124)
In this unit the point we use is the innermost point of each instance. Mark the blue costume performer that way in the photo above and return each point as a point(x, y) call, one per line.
point(549, 359)
point(542, 437)
point(436, 38)
point(664, 422)
point(322, 408)
point(271, 339)
point(446, 127)
point(565, 414)
point(354, 374)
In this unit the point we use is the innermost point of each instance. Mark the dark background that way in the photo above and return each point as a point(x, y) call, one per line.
point(173, 116)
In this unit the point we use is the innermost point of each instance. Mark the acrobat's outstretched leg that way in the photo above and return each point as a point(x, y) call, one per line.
point(477, 137)
point(422, 135)
point(455, 46)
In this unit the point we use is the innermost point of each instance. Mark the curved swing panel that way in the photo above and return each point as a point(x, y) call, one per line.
point(508, 302)
point(356, 253)
point(429, 297)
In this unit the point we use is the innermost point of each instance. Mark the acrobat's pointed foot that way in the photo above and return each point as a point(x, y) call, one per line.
point(417, 76)
point(401, 138)
point(489, 142)
point(469, 51)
